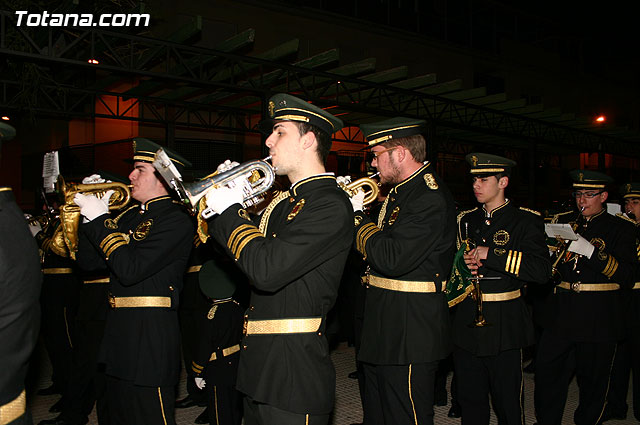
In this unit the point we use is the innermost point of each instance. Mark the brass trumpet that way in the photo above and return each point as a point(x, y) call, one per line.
point(363, 183)
point(65, 239)
point(563, 246)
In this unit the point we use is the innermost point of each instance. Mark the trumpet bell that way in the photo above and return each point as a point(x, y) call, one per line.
point(370, 187)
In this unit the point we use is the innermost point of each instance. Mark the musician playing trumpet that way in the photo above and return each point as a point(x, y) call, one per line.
point(409, 249)
point(583, 317)
point(508, 248)
point(145, 248)
point(294, 255)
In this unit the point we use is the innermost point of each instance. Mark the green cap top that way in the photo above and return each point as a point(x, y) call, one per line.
point(7, 132)
point(630, 190)
point(393, 128)
point(216, 280)
point(587, 179)
point(285, 107)
point(484, 163)
point(145, 150)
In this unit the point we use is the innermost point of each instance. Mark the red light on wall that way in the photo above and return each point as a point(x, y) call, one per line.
point(93, 61)
point(601, 119)
point(5, 118)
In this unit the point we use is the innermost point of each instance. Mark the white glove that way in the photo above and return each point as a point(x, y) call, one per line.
point(357, 201)
point(200, 382)
point(218, 200)
point(343, 180)
point(91, 206)
point(582, 247)
point(34, 225)
point(93, 179)
point(226, 166)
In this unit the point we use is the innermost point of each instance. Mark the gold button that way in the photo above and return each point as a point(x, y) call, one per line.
point(244, 347)
point(251, 308)
point(171, 288)
point(292, 200)
point(273, 235)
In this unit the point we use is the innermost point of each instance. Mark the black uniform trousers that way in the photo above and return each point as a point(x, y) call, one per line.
point(556, 362)
point(131, 404)
point(264, 414)
point(58, 302)
point(88, 382)
point(224, 404)
point(627, 359)
point(499, 375)
point(399, 394)
point(193, 305)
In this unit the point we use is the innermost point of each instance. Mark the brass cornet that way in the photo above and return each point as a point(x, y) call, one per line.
point(65, 240)
point(363, 183)
point(257, 175)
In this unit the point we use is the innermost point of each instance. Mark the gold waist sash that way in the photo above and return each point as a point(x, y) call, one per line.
point(282, 326)
point(14, 409)
point(194, 269)
point(57, 270)
point(225, 352)
point(129, 302)
point(592, 287)
point(405, 285)
point(101, 280)
point(501, 296)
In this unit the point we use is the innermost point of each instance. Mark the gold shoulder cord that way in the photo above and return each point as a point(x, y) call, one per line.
point(112, 223)
point(264, 220)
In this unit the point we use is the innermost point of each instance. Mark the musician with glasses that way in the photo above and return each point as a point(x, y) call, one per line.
point(508, 245)
point(409, 248)
point(583, 317)
point(146, 248)
point(293, 255)
point(628, 351)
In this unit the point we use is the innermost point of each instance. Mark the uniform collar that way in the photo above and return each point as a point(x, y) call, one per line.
point(152, 203)
point(498, 210)
point(308, 182)
point(412, 178)
point(596, 215)
point(5, 194)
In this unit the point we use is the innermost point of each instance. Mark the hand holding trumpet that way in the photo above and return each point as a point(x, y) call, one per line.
point(473, 259)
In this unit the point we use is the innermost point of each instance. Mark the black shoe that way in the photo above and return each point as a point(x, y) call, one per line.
point(50, 390)
point(188, 401)
point(353, 375)
point(454, 412)
point(57, 407)
point(203, 418)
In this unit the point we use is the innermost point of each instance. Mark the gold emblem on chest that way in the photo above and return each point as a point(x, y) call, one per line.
point(142, 230)
point(296, 209)
point(394, 215)
point(501, 237)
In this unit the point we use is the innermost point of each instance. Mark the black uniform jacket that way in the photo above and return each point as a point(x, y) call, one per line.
point(517, 254)
point(593, 316)
point(634, 308)
point(20, 280)
point(221, 328)
point(146, 248)
point(414, 240)
point(294, 268)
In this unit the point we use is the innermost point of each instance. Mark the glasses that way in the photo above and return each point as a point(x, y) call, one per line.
point(374, 155)
point(587, 195)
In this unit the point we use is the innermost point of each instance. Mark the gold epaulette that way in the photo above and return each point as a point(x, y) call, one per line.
point(624, 217)
point(462, 214)
point(557, 216)
point(531, 211)
point(458, 219)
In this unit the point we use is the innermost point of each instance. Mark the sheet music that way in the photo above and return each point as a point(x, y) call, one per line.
point(50, 171)
point(562, 231)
